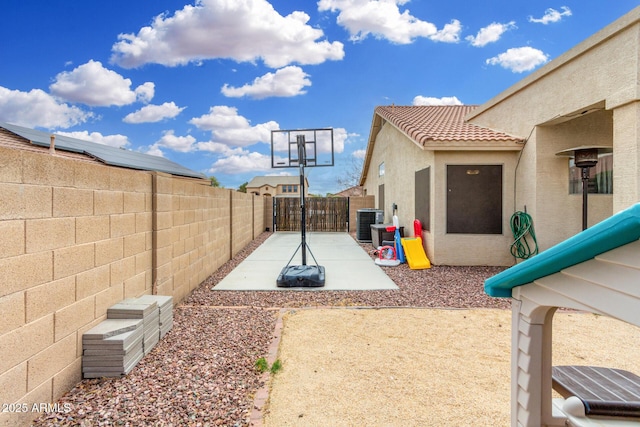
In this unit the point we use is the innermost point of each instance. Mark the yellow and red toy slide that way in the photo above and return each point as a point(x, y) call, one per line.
point(413, 250)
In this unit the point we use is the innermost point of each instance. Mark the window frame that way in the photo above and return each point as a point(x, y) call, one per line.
point(473, 206)
point(600, 176)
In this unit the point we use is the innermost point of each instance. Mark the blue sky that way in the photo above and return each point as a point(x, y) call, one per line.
point(204, 83)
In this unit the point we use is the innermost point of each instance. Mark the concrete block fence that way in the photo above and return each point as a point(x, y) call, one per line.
point(77, 237)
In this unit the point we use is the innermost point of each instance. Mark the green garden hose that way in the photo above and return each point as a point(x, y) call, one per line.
point(523, 246)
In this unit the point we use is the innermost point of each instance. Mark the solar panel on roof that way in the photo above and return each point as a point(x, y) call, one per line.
point(109, 155)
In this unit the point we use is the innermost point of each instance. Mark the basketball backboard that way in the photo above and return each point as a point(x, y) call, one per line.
point(318, 147)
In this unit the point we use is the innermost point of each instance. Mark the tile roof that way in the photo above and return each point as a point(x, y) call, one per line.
point(431, 124)
point(354, 191)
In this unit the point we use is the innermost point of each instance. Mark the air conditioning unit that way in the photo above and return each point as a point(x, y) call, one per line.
point(364, 219)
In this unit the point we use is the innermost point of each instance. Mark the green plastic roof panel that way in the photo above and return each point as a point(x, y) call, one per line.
point(109, 155)
point(615, 231)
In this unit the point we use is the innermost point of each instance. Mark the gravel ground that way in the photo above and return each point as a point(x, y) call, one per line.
point(202, 373)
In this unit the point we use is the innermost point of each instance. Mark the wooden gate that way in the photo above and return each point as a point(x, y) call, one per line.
point(322, 213)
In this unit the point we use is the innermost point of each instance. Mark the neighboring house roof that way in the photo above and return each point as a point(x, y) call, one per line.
point(9, 139)
point(273, 181)
point(105, 154)
point(438, 127)
point(615, 231)
point(356, 190)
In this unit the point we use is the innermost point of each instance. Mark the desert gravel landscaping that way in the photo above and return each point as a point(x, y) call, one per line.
point(202, 373)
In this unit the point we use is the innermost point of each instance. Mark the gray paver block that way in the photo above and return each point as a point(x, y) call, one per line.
point(111, 327)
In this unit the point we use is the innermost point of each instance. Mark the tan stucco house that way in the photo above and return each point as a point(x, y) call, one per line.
point(464, 170)
point(413, 152)
point(277, 186)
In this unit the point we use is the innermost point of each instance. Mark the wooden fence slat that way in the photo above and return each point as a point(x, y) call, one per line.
point(322, 213)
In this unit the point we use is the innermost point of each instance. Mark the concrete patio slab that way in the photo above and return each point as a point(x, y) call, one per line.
point(347, 265)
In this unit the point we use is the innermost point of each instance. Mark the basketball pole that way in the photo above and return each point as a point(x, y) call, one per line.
point(302, 160)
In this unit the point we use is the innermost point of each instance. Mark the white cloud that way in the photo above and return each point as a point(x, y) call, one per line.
point(153, 113)
point(94, 85)
point(490, 34)
point(429, 100)
point(240, 30)
point(219, 148)
point(340, 136)
point(145, 92)
point(450, 33)
point(37, 108)
point(229, 128)
point(351, 136)
point(383, 19)
point(220, 116)
point(154, 150)
point(251, 162)
point(359, 154)
point(118, 141)
point(183, 144)
point(519, 59)
point(286, 82)
point(551, 15)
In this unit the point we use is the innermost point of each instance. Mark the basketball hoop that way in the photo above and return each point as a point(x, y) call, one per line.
point(311, 148)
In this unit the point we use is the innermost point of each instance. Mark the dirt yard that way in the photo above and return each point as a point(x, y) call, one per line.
point(419, 367)
point(444, 361)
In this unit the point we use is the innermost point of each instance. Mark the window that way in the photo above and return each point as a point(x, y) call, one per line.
point(381, 169)
point(284, 188)
point(474, 199)
point(295, 188)
point(600, 176)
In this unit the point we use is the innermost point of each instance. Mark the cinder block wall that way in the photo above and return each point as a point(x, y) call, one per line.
point(192, 229)
point(241, 221)
point(77, 237)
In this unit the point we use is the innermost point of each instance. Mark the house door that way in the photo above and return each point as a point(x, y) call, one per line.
point(322, 213)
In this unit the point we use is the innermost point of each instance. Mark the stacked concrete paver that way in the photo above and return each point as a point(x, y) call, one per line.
point(132, 328)
point(149, 313)
point(165, 311)
point(112, 348)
